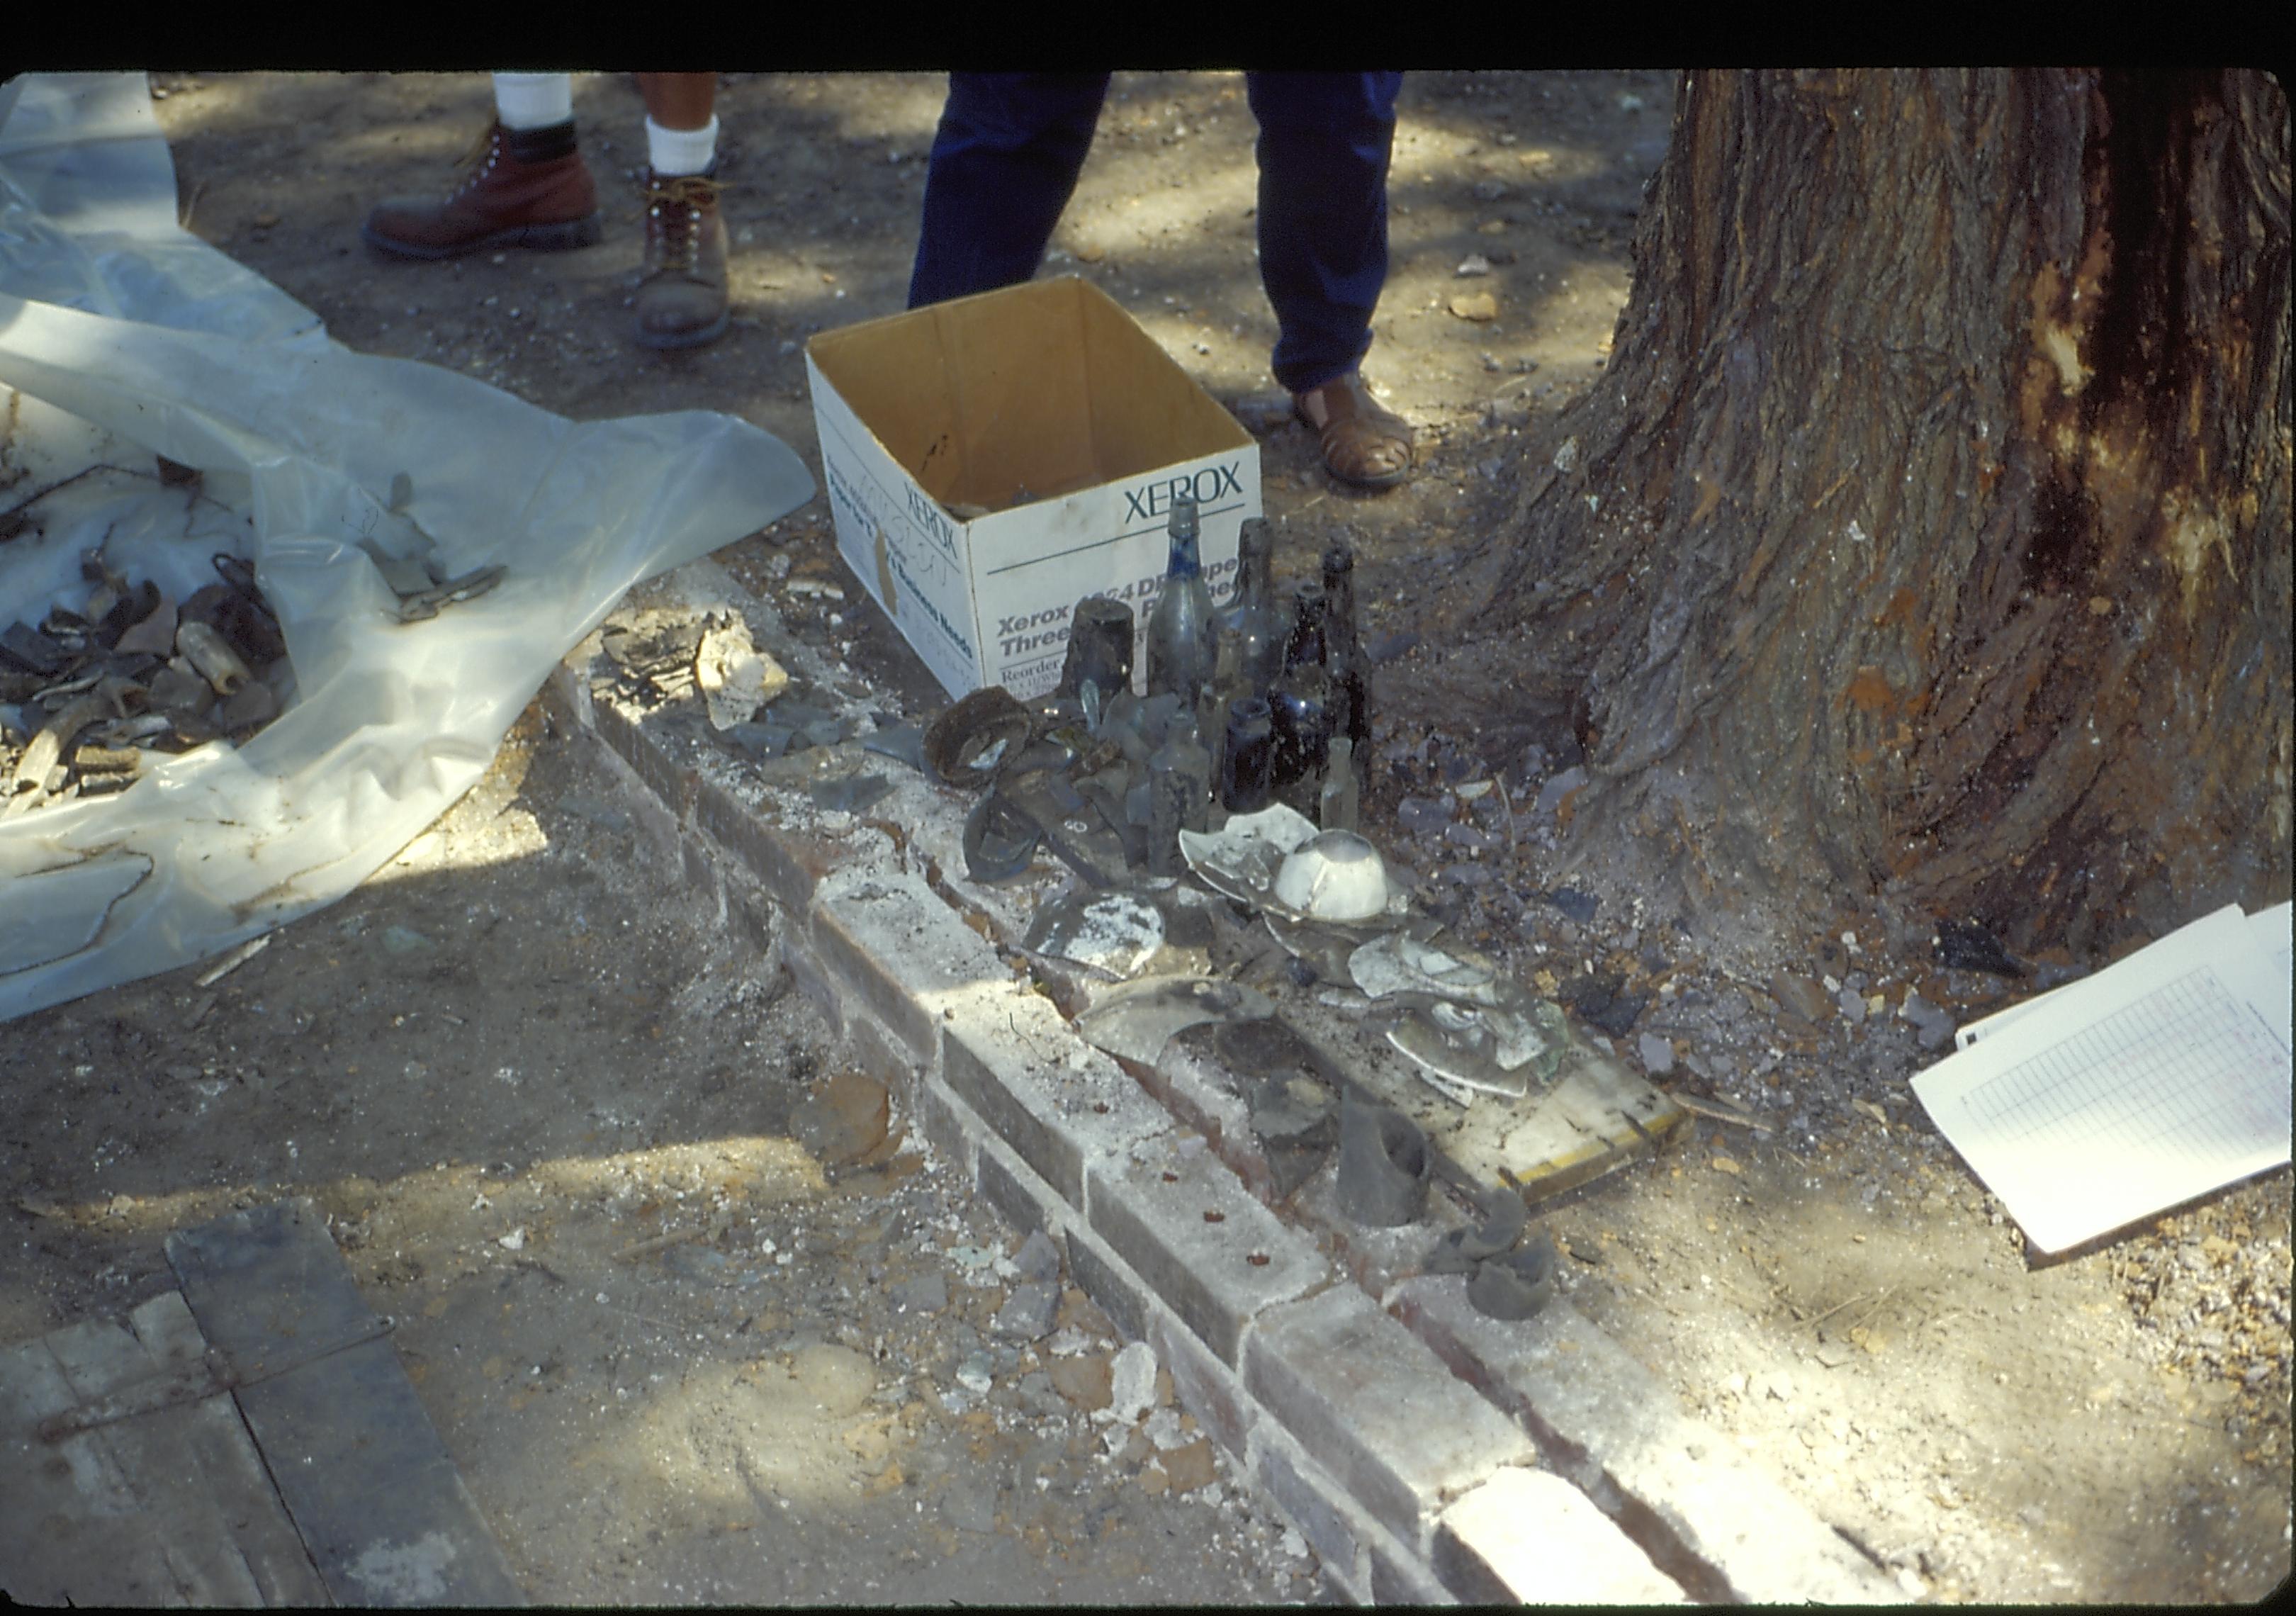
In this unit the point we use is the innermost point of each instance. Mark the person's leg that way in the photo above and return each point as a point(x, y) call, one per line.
point(1004, 161)
point(682, 299)
point(523, 185)
point(681, 121)
point(1324, 142)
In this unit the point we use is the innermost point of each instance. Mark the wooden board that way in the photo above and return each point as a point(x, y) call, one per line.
point(172, 1506)
point(373, 1493)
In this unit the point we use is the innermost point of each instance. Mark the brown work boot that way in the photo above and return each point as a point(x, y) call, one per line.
point(682, 296)
point(520, 188)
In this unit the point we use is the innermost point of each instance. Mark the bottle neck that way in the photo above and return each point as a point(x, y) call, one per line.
point(1183, 562)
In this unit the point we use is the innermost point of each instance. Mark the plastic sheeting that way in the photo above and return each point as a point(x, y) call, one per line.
point(122, 336)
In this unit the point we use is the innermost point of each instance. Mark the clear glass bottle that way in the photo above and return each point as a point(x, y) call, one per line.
point(1180, 629)
point(1251, 630)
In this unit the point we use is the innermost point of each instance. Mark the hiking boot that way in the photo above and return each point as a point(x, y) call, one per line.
point(682, 296)
point(520, 188)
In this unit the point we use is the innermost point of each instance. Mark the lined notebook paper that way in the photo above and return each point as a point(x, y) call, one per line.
point(2160, 1077)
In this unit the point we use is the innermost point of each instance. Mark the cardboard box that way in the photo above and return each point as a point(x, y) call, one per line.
point(1060, 429)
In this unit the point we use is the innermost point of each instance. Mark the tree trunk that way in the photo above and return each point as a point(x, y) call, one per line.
point(1928, 540)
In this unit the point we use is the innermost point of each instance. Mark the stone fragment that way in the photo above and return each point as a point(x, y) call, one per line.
point(1083, 1379)
point(1038, 1258)
point(1479, 307)
point(1191, 1467)
point(843, 1121)
point(1028, 1312)
point(1657, 1053)
point(1132, 1383)
point(1802, 998)
point(1559, 787)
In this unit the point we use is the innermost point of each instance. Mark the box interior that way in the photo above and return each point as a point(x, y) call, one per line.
point(1025, 393)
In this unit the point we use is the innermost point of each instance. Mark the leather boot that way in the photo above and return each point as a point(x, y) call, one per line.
point(682, 296)
point(520, 188)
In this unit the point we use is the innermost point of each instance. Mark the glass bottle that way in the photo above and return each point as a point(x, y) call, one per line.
point(1339, 802)
point(1251, 630)
point(1301, 705)
point(1180, 629)
point(1099, 650)
point(1308, 641)
point(1179, 790)
point(1246, 758)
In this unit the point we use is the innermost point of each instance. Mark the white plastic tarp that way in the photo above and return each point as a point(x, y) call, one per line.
point(123, 336)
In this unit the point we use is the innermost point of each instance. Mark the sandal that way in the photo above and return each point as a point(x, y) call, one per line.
point(1363, 444)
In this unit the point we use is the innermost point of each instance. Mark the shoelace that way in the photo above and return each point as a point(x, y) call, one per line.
point(678, 201)
point(473, 164)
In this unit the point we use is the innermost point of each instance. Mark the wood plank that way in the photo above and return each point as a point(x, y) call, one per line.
point(373, 1492)
point(70, 1527)
point(99, 1358)
point(218, 1450)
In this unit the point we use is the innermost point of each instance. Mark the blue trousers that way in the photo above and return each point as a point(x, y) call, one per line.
point(1010, 146)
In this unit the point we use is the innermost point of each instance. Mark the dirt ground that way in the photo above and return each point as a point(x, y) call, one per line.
point(513, 1028)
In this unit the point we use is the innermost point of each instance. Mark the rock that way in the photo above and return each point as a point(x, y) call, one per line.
point(1037, 1395)
point(1578, 905)
point(1933, 1025)
point(1852, 1007)
point(1657, 1053)
point(1132, 1383)
point(926, 1293)
point(1468, 837)
point(1038, 1258)
point(972, 1374)
point(1083, 1381)
point(1027, 1314)
point(1190, 1467)
point(405, 939)
point(1473, 263)
point(1478, 306)
point(1424, 816)
point(843, 1120)
point(1801, 998)
point(1558, 786)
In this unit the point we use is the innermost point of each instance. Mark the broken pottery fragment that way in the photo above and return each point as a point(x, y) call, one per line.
point(736, 678)
point(1484, 1048)
point(1411, 961)
point(902, 743)
point(1135, 1019)
point(1241, 859)
point(1112, 931)
point(1336, 876)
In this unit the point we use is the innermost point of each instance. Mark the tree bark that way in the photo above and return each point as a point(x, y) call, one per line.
point(1928, 540)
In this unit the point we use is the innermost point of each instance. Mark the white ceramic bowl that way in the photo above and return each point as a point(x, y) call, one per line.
point(1338, 875)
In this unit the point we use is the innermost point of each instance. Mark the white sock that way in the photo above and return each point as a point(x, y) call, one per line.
point(534, 101)
point(681, 150)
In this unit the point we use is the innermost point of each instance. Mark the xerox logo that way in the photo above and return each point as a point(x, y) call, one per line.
point(1153, 500)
